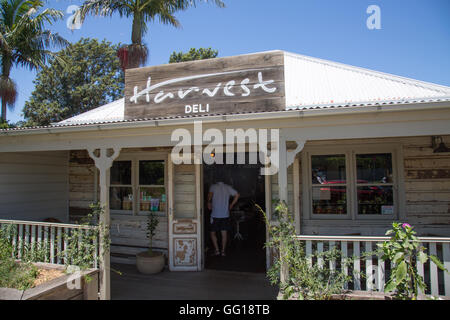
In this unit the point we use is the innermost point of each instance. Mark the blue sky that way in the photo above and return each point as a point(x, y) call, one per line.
point(414, 39)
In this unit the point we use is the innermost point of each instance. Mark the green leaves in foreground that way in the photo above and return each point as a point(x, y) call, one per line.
point(13, 274)
point(404, 251)
point(305, 281)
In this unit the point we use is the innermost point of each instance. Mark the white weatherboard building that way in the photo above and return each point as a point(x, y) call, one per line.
point(358, 149)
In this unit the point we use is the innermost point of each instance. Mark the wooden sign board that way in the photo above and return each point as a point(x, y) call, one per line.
point(246, 83)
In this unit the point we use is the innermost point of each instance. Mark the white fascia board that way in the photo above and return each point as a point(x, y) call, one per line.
point(292, 114)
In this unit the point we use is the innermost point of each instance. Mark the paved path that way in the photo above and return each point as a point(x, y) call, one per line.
point(205, 285)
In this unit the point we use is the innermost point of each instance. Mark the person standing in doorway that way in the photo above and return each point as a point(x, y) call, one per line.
point(219, 204)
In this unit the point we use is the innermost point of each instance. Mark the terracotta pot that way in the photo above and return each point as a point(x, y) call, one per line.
point(150, 264)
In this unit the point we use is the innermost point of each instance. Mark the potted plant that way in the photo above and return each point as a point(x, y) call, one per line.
point(150, 262)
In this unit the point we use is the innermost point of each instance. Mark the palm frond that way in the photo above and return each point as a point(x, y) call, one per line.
point(24, 40)
point(4, 43)
point(104, 8)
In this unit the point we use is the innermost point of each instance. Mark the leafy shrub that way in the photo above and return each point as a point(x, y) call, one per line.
point(152, 224)
point(82, 244)
point(17, 275)
point(14, 274)
point(404, 250)
point(79, 254)
point(305, 280)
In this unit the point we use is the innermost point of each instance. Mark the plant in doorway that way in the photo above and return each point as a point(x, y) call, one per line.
point(150, 262)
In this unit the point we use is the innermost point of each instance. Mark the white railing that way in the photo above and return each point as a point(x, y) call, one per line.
point(376, 271)
point(51, 239)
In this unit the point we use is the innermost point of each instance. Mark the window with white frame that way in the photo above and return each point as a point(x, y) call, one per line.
point(374, 184)
point(329, 184)
point(121, 187)
point(152, 191)
point(351, 182)
point(137, 186)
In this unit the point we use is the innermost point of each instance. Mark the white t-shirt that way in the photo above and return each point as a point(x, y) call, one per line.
point(221, 199)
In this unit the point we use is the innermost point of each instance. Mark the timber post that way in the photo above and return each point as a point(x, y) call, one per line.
point(294, 161)
point(103, 162)
point(286, 159)
point(283, 196)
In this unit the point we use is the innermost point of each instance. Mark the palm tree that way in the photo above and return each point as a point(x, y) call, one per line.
point(24, 42)
point(142, 12)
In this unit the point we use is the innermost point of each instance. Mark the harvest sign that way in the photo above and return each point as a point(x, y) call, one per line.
point(248, 83)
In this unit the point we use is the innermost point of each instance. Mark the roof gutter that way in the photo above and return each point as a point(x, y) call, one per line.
point(289, 114)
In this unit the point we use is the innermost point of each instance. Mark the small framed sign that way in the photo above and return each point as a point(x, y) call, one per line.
point(387, 209)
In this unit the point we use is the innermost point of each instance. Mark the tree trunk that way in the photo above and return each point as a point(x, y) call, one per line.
point(4, 107)
point(137, 53)
point(136, 31)
point(6, 71)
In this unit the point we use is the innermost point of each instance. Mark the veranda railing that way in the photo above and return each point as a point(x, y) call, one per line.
point(51, 238)
point(370, 273)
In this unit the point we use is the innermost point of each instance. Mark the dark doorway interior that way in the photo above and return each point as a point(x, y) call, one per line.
point(245, 250)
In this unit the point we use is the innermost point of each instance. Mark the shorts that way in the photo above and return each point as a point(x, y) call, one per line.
point(220, 224)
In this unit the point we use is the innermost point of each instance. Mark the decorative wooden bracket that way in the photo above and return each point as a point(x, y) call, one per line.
point(292, 154)
point(103, 162)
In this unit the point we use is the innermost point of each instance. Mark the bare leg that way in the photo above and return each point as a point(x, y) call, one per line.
point(224, 240)
point(214, 240)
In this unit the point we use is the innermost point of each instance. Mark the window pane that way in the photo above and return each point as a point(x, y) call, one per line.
point(121, 173)
point(121, 198)
point(375, 200)
point(152, 199)
point(328, 169)
point(329, 200)
point(151, 172)
point(374, 168)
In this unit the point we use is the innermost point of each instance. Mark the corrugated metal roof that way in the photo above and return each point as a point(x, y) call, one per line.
point(114, 111)
point(310, 83)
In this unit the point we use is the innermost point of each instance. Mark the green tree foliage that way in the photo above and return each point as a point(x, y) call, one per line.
point(193, 54)
point(24, 42)
point(142, 12)
point(91, 78)
point(5, 124)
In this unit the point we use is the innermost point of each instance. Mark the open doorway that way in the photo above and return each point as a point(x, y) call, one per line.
point(245, 249)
